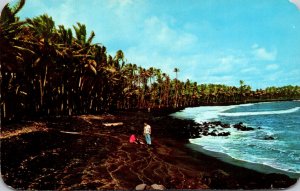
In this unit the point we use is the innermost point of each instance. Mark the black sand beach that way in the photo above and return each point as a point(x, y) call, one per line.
point(93, 152)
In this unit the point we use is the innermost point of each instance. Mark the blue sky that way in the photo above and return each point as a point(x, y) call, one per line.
point(210, 41)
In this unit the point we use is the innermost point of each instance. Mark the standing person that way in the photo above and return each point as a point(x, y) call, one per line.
point(147, 132)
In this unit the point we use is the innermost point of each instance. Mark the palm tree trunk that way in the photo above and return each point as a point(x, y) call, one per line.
point(42, 86)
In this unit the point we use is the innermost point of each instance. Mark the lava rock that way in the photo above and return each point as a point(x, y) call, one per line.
point(225, 125)
point(224, 134)
point(241, 127)
point(269, 138)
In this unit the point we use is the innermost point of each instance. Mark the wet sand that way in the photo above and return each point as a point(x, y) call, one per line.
point(93, 152)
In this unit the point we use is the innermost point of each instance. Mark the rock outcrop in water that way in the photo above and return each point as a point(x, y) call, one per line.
point(191, 130)
point(269, 137)
point(240, 126)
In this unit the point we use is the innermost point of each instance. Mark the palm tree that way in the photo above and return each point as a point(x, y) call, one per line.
point(176, 70)
point(195, 94)
point(119, 59)
point(12, 61)
point(241, 89)
point(144, 94)
point(47, 69)
point(44, 33)
point(8, 14)
point(159, 78)
point(85, 64)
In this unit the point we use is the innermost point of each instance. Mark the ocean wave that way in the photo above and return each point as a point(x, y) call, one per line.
point(203, 113)
point(252, 147)
point(246, 104)
point(220, 147)
point(292, 110)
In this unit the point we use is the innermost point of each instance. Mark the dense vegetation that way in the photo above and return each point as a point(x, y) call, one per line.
point(53, 70)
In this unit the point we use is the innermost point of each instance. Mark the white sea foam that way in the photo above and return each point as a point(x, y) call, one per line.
point(260, 112)
point(207, 113)
point(201, 114)
point(204, 113)
point(231, 147)
point(252, 146)
point(246, 104)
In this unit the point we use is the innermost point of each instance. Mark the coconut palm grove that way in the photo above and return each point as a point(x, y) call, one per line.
point(54, 70)
point(51, 72)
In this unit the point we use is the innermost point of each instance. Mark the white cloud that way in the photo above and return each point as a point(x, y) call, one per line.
point(296, 2)
point(163, 45)
point(232, 59)
point(224, 79)
point(254, 46)
point(150, 58)
point(160, 34)
point(226, 64)
point(63, 14)
point(121, 8)
point(227, 60)
point(274, 76)
point(119, 3)
point(261, 53)
point(272, 67)
point(251, 70)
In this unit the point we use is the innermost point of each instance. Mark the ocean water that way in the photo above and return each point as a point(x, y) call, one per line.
point(280, 120)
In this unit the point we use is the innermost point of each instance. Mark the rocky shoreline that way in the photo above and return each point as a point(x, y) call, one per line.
point(83, 152)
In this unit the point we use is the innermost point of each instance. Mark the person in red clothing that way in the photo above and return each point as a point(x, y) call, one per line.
point(132, 139)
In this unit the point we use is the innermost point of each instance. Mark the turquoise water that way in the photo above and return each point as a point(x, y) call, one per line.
point(280, 120)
